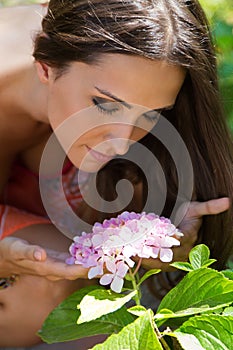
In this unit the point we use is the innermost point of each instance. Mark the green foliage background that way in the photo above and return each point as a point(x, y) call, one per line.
point(220, 14)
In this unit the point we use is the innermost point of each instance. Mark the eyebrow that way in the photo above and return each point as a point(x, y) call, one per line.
point(109, 94)
point(127, 105)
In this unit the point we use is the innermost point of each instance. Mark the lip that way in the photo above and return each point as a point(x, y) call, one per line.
point(100, 157)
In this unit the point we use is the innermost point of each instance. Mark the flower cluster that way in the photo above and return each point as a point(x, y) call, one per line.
point(109, 249)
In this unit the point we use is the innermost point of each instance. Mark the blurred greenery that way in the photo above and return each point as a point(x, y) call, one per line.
point(220, 15)
point(19, 2)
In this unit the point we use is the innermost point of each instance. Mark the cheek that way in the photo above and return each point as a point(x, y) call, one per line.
point(78, 153)
point(139, 133)
point(62, 105)
point(101, 136)
point(94, 136)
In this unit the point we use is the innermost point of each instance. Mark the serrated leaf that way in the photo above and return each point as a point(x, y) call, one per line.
point(200, 288)
point(147, 275)
point(167, 314)
point(137, 310)
point(198, 256)
point(185, 266)
point(209, 262)
point(139, 335)
point(61, 324)
point(213, 332)
point(101, 302)
point(228, 274)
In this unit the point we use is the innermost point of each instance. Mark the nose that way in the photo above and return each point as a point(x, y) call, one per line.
point(120, 138)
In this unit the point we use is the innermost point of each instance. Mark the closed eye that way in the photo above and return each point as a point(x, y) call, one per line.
point(154, 114)
point(106, 106)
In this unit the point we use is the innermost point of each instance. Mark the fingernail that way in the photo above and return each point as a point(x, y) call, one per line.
point(37, 255)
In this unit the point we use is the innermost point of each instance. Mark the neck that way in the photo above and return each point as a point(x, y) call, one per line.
point(34, 96)
point(25, 95)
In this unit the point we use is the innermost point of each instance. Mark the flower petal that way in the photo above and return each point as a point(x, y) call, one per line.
point(168, 242)
point(165, 255)
point(106, 279)
point(111, 265)
point(117, 284)
point(155, 252)
point(95, 271)
point(122, 269)
point(97, 240)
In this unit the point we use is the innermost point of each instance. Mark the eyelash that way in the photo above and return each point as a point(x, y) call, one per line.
point(102, 109)
point(153, 118)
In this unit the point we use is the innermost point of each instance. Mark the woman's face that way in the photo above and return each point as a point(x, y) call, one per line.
point(113, 102)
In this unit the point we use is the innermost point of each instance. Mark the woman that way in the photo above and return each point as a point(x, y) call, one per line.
point(155, 54)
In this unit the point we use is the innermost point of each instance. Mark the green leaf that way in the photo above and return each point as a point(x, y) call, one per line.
point(185, 266)
point(188, 341)
point(209, 262)
point(164, 314)
point(167, 314)
point(228, 311)
point(61, 324)
point(137, 310)
point(139, 335)
point(147, 275)
point(213, 332)
point(128, 277)
point(101, 302)
point(203, 288)
point(228, 274)
point(199, 256)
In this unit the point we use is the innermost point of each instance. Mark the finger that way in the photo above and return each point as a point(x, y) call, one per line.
point(54, 270)
point(71, 272)
point(21, 249)
point(211, 207)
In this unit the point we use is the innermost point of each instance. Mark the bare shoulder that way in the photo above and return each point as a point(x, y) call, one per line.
point(18, 26)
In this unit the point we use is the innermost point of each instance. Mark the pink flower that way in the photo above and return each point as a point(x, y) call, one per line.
point(116, 278)
point(111, 245)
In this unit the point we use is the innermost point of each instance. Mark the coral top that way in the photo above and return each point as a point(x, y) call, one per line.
point(21, 203)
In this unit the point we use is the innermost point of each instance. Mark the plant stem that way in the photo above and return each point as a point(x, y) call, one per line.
point(162, 340)
point(135, 287)
point(137, 267)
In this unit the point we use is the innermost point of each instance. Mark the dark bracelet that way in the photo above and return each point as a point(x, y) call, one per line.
point(7, 281)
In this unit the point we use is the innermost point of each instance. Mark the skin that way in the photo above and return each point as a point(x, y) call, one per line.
point(33, 102)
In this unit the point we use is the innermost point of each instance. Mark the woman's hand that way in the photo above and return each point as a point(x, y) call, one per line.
point(190, 226)
point(17, 256)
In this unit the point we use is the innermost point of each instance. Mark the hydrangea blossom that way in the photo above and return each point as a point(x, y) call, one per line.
point(108, 250)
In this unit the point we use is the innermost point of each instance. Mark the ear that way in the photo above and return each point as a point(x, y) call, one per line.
point(43, 72)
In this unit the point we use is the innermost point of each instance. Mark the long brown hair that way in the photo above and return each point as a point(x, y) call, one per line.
point(172, 30)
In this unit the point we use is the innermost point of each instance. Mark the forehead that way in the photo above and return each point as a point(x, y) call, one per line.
point(134, 79)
